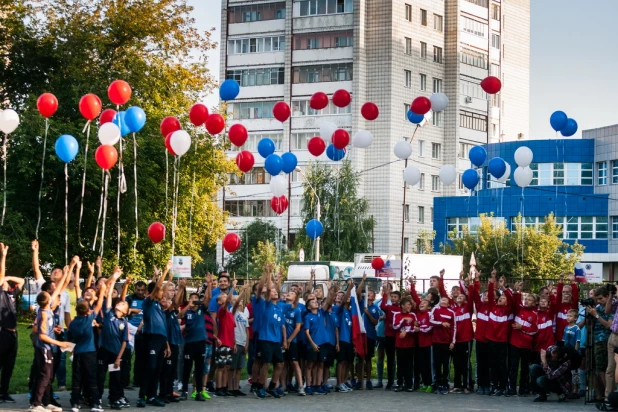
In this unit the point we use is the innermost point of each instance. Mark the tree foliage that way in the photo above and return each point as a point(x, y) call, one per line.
point(347, 226)
point(529, 252)
point(74, 47)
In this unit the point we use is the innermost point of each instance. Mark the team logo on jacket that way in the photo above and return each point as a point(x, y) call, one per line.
point(529, 318)
point(121, 326)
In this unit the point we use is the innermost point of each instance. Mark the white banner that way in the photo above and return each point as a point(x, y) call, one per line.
point(181, 266)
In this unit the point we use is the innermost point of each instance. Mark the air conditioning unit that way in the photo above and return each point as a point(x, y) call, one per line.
point(468, 99)
point(520, 136)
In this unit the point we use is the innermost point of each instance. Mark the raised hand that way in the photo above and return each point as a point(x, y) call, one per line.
point(168, 265)
point(4, 249)
point(98, 263)
point(35, 245)
point(90, 267)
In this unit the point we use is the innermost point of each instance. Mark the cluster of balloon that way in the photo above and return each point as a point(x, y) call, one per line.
point(231, 242)
point(560, 122)
point(377, 263)
point(491, 85)
point(156, 232)
point(314, 229)
point(177, 141)
point(523, 174)
point(423, 105)
point(470, 177)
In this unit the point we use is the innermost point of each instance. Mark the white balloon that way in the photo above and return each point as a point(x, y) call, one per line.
point(109, 133)
point(448, 174)
point(9, 120)
point(523, 176)
point(403, 149)
point(412, 175)
point(523, 156)
point(180, 142)
point(326, 130)
point(362, 139)
point(279, 185)
point(506, 175)
point(439, 101)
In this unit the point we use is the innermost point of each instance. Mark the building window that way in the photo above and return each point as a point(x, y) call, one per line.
point(431, 214)
point(249, 208)
point(408, 78)
point(256, 45)
point(464, 150)
point(257, 77)
point(600, 227)
point(601, 173)
point(472, 89)
point(437, 85)
point(406, 213)
point(421, 183)
point(614, 171)
point(423, 50)
point(406, 242)
point(423, 17)
point(317, 7)
point(253, 139)
point(408, 45)
point(408, 12)
point(436, 151)
point(437, 54)
point(495, 41)
point(335, 72)
point(437, 22)
point(256, 176)
point(586, 174)
point(435, 183)
point(421, 147)
point(495, 12)
point(256, 110)
point(469, 120)
point(459, 224)
point(561, 174)
point(421, 214)
point(406, 109)
point(473, 58)
point(258, 12)
point(614, 227)
point(323, 40)
point(423, 81)
point(437, 118)
point(482, 3)
point(302, 108)
point(473, 27)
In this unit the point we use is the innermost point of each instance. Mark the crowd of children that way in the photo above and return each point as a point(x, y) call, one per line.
point(525, 343)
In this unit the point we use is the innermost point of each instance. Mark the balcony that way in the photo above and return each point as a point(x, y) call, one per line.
point(323, 22)
point(308, 89)
point(322, 55)
point(276, 26)
point(258, 92)
point(256, 59)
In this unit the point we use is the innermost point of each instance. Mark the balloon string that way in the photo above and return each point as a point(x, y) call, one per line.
point(121, 189)
point(4, 155)
point(107, 177)
point(38, 222)
point(135, 188)
point(66, 213)
point(81, 208)
point(167, 179)
point(96, 233)
point(175, 201)
point(192, 196)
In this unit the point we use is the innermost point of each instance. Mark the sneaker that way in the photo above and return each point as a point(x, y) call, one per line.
point(280, 392)
point(342, 388)
point(7, 398)
point(319, 390)
point(229, 394)
point(205, 395)
point(388, 387)
point(301, 392)
point(308, 391)
point(444, 390)
point(350, 386)
point(398, 389)
point(141, 403)
point(124, 402)
point(74, 407)
point(429, 389)
point(510, 392)
point(53, 408)
point(183, 396)
point(200, 398)
point(238, 392)
point(261, 394)
point(369, 385)
point(410, 390)
point(562, 397)
point(290, 388)
point(193, 394)
point(155, 402)
point(115, 405)
point(497, 392)
point(540, 398)
point(273, 393)
point(378, 386)
point(210, 387)
point(171, 399)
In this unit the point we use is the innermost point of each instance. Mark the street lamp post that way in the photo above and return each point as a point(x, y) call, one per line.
point(317, 240)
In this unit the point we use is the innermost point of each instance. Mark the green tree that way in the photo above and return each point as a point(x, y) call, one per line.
point(266, 253)
point(74, 47)
point(254, 233)
point(425, 239)
point(529, 252)
point(347, 226)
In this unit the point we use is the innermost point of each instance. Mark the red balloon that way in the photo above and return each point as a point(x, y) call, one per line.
point(215, 123)
point(169, 125)
point(238, 134)
point(370, 111)
point(119, 92)
point(318, 101)
point(168, 143)
point(106, 156)
point(107, 116)
point(377, 263)
point(341, 98)
point(421, 105)
point(245, 161)
point(281, 111)
point(491, 85)
point(316, 146)
point(156, 232)
point(198, 114)
point(90, 106)
point(231, 242)
point(47, 104)
point(279, 204)
point(340, 139)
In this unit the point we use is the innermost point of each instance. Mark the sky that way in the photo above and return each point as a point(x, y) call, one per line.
point(573, 60)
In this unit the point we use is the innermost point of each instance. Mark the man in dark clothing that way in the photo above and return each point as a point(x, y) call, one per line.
point(554, 374)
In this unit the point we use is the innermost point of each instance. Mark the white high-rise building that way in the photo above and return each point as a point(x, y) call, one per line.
point(381, 51)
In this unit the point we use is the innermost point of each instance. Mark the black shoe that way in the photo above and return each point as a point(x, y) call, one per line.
point(388, 387)
point(273, 393)
point(510, 392)
point(141, 403)
point(220, 393)
point(172, 399)
point(210, 387)
point(183, 396)
point(524, 392)
point(238, 392)
point(116, 405)
point(155, 402)
point(200, 398)
point(562, 397)
point(7, 398)
point(399, 389)
point(498, 392)
point(540, 398)
point(230, 394)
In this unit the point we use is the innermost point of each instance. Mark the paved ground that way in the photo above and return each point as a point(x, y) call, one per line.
point(376, 400)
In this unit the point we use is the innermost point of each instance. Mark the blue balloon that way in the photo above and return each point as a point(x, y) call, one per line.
point(477, 156)
point(273, 164)
point(66, 148)
point(314, 229)
point(229, 89)
point(120, 121)
point(289, 162)
point(558, 120)
point(266, 147)
point(334, 154)
point(497, 167)
point(570, 129)
point(135, 118)
point(470, 178)
point(415, 118)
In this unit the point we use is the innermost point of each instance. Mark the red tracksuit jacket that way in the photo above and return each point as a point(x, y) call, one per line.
point(482, 313)
point(498, 324)
point(404, 322)
point(526, 317)
point(440, 333)
point(545, 336)
point(389, 311)
point(463, 318)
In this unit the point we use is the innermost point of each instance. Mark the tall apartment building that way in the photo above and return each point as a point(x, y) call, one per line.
point(383, 51)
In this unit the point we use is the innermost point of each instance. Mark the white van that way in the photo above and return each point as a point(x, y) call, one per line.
point(300, 272)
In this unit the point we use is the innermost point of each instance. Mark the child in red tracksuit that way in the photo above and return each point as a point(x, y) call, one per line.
point(422, 354)
point(568, 298)
point(444, 331)
point(497, 335)
point(545, 336)
point(482, 344)
point(463, 309)
point(404, 324)
point(522, 335)
point(389, 332)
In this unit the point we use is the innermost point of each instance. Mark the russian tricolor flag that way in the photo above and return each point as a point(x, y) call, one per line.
point(359, 334)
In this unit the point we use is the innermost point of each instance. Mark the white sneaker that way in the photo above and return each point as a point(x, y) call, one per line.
point(343, 388)
point(301, 391)
point(350, 389)
point(53, 408)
